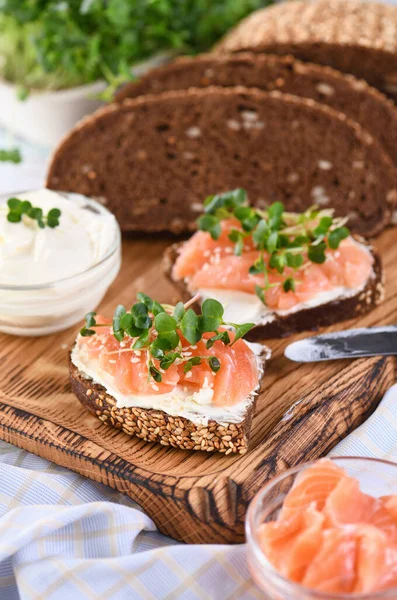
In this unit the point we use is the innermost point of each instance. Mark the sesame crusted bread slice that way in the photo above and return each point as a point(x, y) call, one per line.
point(359, 101)
point(153, 425)
point(153, 159)
point(353, 36)
point(306, 319)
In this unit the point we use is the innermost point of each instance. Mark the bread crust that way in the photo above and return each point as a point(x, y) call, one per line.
point(342, 92)
point(308, 319)
point(153, 425)
point(154, 179)
point(352, 36)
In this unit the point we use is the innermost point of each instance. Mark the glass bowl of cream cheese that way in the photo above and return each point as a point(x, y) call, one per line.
point(50, 277)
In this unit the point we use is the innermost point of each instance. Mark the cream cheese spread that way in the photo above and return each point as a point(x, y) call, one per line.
point(195, 406)
point(241, 307)
point(30, 255)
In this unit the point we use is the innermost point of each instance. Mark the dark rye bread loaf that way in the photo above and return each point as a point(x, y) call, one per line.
point(353, 36)
point(359, 101)
point(309, 319)
point(153, 159)
point(153, 425)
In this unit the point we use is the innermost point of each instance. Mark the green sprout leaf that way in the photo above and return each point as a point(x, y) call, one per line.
point(142, 340)
point(238, 237)
point(294, 260)
point(90, 321)
point(277, 261)
point(155, 373)
point(317, 253)
point(189, 326)
point(289, 285)
point(260, 292)
point(164, 323)
point(222, 336)
point(210, 224)
point(179, 312)
point(258, 267)
point(153, 306)
point(212, 315)
point(336, 236)
point(128, 326)
point(240, 330)
point(323, 227)
point(14, 217)
point(214, 363)
point(275, 213)
point(192, 362)
point(140, 315)
point(228, 200)
point(119, 313)
point(272, 240)
point(169, 360)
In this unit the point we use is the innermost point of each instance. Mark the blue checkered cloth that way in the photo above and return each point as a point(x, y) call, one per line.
point(63, 537)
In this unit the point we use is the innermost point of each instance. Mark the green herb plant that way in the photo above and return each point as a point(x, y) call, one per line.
point(18, 208)
point(56, 44)
point(155, 328)
point(283, 239)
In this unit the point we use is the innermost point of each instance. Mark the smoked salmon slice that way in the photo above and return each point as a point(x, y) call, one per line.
point(234, 382)
point(202, 260)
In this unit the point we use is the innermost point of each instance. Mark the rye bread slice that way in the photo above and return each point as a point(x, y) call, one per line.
point(153, 159)
point(153, 425)
point(344, 93)
point(352, 36)
point(309, 319)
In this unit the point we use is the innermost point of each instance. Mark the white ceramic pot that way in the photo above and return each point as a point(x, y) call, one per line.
point(44, 117)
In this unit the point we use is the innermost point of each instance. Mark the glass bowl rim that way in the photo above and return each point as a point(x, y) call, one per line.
point(58, 282)
point(292, 586)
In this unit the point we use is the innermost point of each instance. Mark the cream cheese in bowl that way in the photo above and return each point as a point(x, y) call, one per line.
point(51, 276)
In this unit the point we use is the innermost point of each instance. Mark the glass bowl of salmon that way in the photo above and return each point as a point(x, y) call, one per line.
point(326, 530)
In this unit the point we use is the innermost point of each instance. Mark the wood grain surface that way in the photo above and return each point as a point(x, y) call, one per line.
point(193, 496)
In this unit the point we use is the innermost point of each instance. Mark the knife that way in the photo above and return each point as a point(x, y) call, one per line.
point(352, 343)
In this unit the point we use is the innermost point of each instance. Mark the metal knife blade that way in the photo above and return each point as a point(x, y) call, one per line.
point(352, 343)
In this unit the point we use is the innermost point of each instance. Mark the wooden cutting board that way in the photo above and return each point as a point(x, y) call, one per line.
point(192, 496)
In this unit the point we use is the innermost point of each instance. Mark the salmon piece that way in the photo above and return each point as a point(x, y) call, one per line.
point(388, 578)
point(228, 272)
point(314, 281)
point(359, 508)
point(96, 343)
point(312, 487)
point(357, 263)
point(390, 502)
point(292, 544)
point(333, 569)
point(238, 375)
point(201, 375)
point(371, 558)
point(131, 376)
point(384, 519)
point(200, 247)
